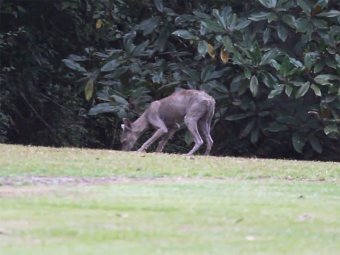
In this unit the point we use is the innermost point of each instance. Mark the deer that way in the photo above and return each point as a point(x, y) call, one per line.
point(193, 107)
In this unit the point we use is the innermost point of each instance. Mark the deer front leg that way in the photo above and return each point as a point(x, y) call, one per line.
point(167, 137)
point(205, 131)
point(153, 138)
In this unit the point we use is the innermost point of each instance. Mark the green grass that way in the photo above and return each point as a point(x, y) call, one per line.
point(171, 205)
point(19, 161)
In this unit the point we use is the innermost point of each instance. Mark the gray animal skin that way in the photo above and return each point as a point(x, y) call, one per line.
point(193, 107)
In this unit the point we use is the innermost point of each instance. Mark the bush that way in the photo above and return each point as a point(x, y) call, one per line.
point(272, 66)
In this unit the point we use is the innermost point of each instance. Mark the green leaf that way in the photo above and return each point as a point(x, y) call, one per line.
point(73, 65)
point(272, 17)
point(310, 59)
point(232, 19)
point(240, 116)
point(243, 23)
point(259, 16)
point(288, 90)
point(110, 66)
point(302, 25)
point(303, 89)
point(324, 79)
point(213, 26)
point(337, 58)
point(320, 24)
point(148, 25)
point(255, 54)
point(163, 38)
point(289, 20)
point(329, 14)
point(266, 35)
point(226, 12)
point(296, 63)
point(127, 41)
point(103, 95)
point(319, 66)
point(331, 128)
point(219, 18)
point(227, 43)
point(277, 127)
point(158, 77)
point(282, 32)
point(208, 73)
point(159, 5)
point(305, 6)
point(288, 120)
point(275, 92)
point(193, 74)
point(139, 49)
point(254, 136)
point(254, 85)
point(247, 73)
point(316, 90)
point(275, 64)
point(76, 58)
point(120, 100)
point(298, 142)
point(103, 108)
point(269, 79)
point(248, 128)
point(285, 67)
point(201, 15)
point(185, 34)
point(268, 3)
point(268, 56)
point(202, 48)
point(118, 72)
point(315, 143)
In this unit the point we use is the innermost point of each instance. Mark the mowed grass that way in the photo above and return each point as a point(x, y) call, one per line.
point(165, 204)
point(42, 161)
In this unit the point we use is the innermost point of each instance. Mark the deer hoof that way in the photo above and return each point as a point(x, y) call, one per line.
point(141, 150)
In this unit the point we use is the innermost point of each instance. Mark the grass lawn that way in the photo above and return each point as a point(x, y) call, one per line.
point(72, 201)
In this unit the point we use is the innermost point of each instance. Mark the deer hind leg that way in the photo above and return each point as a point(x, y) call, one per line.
point(191, 123)
point(166, 138)
point(205, 125)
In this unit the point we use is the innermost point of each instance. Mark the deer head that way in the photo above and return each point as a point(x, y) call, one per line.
point(128, 137)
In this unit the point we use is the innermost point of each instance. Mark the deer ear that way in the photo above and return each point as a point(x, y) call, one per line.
point(127, 123)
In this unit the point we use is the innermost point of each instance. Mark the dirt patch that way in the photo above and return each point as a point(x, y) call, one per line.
point(20, 181)
point(24, 186)
point(55, 180)
point(72, 180)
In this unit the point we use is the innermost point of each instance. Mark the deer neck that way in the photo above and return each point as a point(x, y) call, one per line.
point(141, 124)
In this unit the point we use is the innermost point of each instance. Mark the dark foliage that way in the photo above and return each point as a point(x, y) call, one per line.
point(71, 69)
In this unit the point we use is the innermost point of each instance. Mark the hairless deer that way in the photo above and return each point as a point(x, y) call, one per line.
point(194, 108)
